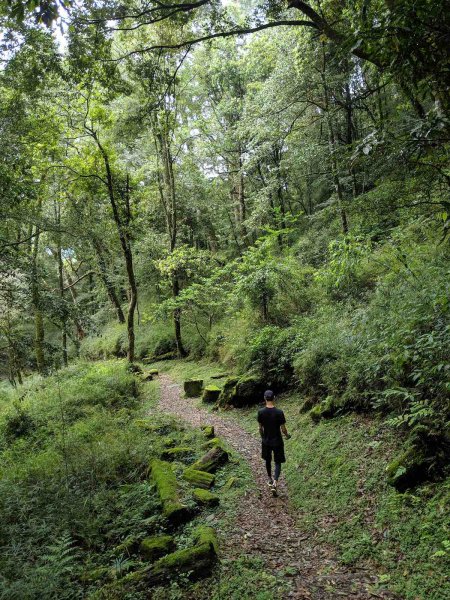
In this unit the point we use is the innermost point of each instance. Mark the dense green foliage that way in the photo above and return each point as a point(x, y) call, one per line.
point(173, 186)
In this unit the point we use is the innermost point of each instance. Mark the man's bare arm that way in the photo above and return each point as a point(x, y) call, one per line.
point(285, 432)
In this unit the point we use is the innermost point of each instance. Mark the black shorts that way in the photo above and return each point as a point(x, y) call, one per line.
point(278, 453)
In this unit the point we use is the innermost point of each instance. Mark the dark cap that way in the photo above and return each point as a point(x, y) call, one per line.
point(268, 395)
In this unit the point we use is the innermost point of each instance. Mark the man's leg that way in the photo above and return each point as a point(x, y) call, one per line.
point(277, 471)
point(269, 467)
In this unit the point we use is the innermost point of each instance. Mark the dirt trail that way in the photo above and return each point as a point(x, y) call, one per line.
point(265, 526)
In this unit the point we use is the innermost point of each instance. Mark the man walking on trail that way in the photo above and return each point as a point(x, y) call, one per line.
point(271, 424)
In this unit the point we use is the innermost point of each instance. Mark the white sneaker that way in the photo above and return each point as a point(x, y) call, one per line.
point(274, 487)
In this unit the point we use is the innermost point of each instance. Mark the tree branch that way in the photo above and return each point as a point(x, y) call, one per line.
point(211, 36)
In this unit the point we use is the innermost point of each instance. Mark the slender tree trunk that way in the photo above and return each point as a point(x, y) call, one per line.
point(168, 196)
point(80, 333)
point(104, 276)
point(122, 225)
point(35, 299)
point(59, 259)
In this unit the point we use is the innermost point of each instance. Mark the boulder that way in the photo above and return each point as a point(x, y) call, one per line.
point(212, 460)
point(156, 546)
point(193, 388)
point(245, 391)
point(211, 394)
point(169, 492)
point(199, 479)
point(249, 390)
point(196, 561)
point(205, 498)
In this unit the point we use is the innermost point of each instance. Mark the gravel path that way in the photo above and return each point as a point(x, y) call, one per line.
point(265, 526)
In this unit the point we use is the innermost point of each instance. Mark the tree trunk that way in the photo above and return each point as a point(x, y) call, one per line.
point(59, 259)
point(122, 224)
point(35, 299)
point(104, 276)
point(167, 191)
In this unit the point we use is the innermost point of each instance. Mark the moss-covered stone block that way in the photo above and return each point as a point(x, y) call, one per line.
point(408, 469)
point(177, 453)
point(136, 369)
point(197, 561)
point(147, 377)
point(156, 546)
point(211, 394)
point(231, 482)
point(200, 479)
point(193, 388)
point(153, 372)
point(169, 492)
point(208, 430)
point(212, 460)
point(205, 497)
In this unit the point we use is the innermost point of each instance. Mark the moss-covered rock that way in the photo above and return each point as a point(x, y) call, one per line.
point(193, 388)
point(136, 369)
point(153, 372)
point(228, 391)
point(408, 469)
point(156, 546)
point(219, 376)
point(205, 498)
point(325, 410)
point(208, 430)
point(166, 483)
point(200, 479)
point(177, 453)
point(212, 460)
point(245, 391)
point(197, 561)
point(147, 377)
point(211, 394)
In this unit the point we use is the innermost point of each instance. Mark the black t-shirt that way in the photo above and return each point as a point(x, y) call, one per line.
point(271, 419)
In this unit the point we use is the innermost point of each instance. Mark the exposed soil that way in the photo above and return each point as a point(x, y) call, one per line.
point(265, 526)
